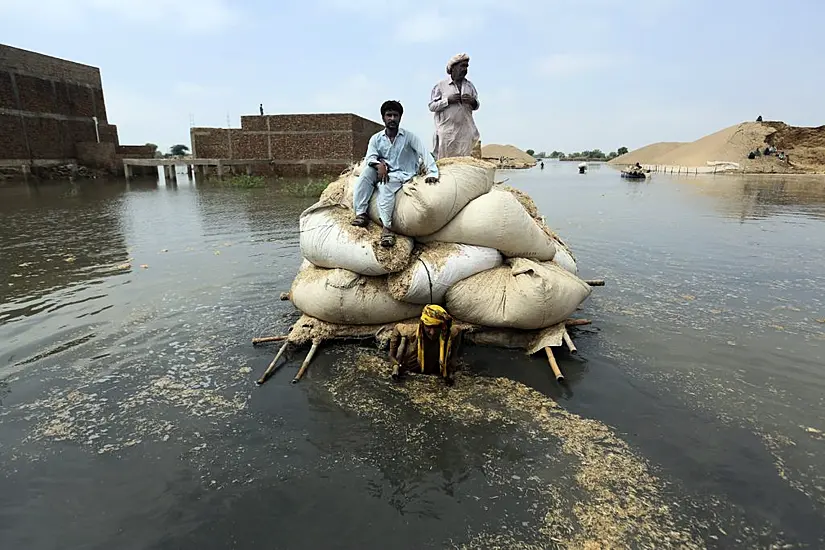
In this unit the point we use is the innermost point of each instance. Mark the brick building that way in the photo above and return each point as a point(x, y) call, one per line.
point(48, 108)
point(297, 145)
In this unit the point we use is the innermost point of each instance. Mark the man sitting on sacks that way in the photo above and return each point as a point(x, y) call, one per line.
point(393, 157)
point(427, 348)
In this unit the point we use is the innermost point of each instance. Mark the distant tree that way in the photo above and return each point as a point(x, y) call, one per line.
point(575, 155)
point(596, 154)
point(612, 155)
point(621, 151)
point(562, 156)
point(556, 154)
point(541, 155)
point(178, 150)
point(530, 152)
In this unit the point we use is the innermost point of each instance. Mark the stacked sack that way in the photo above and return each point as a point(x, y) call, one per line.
point(479, 249)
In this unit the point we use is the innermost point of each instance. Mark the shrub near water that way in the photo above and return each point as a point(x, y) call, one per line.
point(305, 188)
point(301, 188)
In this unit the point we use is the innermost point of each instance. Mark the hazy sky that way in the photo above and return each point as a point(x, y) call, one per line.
point(563, 74)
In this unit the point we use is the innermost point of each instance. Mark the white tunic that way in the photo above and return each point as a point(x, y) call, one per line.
point(455, 130)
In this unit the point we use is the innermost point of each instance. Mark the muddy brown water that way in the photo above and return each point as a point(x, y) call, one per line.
point(692, 418)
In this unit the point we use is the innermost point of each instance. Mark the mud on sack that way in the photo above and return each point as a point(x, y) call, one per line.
point(435, 267)
point(329, 240)
point(497, 220)
point(343, 297)
point(422, 208)
point(521, 294)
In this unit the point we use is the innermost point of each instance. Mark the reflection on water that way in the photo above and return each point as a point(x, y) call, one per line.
point(705, 359)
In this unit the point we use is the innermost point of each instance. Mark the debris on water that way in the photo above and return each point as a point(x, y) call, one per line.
point(70, 259)
point(144, 266)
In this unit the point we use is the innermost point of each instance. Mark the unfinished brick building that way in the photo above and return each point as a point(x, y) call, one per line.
point(296, 145)
point(48, 108)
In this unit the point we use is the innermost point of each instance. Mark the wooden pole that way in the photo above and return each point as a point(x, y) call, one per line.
point(306, 362)
point(569, 342)
point(256, 341)
point(595, 282)
point(271, 368)
point(400, 352)
point(554, 365)
point(577, 322)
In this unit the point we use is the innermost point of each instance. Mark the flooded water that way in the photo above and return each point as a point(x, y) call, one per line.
point(693, 416)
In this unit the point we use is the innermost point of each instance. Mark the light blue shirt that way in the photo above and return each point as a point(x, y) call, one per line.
point(403, 156)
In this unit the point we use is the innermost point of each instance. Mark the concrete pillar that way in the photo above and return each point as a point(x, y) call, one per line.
point(26, 170)
point(220, 169)
point(248, 169)
point(127, 171)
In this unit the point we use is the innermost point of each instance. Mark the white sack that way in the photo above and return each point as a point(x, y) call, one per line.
point(521, 294)
point(329, 240)
point(422, 208)
point(344, 297)
point(564, 259)
point(497, 220)
point(438, 266)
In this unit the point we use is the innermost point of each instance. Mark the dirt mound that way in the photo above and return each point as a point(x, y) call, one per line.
point(804, 146)
point(731, 144)
point(513, 156)
point(642, 155)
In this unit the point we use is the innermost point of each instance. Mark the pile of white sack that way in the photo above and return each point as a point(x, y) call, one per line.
point(479, 249)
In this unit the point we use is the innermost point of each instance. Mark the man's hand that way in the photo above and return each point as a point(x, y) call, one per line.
point(453, 99)
point(383, 172)
point(431, 180)
point(469, 100)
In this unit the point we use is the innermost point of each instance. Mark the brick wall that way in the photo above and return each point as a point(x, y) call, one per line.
point(136, 151)
point(96, 155)
point(45, 66)
point(47, 105)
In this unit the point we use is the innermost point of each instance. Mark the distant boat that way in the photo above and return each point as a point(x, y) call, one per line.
point(634, 174)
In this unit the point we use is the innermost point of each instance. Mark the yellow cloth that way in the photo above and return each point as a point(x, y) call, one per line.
point(435, 316)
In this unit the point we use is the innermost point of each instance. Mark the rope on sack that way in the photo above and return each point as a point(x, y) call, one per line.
point(429, 279)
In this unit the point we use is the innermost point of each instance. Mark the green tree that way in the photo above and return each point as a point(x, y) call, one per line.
point(541, 155)
point(612, 155)
point(621, 151)
point(556, 154)
point(178, 150)
point(530, 152)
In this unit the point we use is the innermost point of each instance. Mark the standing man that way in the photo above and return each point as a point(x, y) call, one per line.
point(393, 157)
point(453, 101)
point(262, 109)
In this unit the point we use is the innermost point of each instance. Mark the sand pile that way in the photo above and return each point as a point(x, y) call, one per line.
point(507, 156)
point(643, 155)
point(731, 145)
point(805, 146)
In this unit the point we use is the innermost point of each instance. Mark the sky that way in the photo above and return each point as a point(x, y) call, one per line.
point(561, 75)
